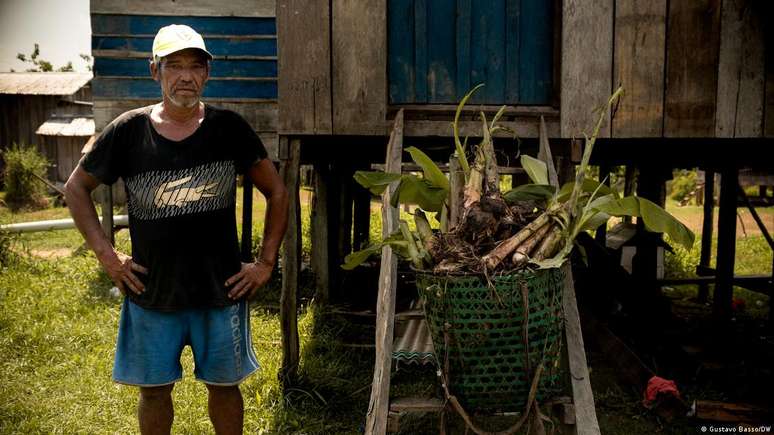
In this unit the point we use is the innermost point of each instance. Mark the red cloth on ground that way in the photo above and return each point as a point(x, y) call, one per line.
point(659, 386)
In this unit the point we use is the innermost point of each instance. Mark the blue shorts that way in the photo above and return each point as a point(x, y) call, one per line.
point(150, 343)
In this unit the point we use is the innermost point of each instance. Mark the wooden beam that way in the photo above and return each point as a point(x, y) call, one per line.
point(740, 91)
point(640, 34)
point(359, 66)
point(207, 8)
point(706, 230)
point(691, 68)
point(291, 266)
point(320, 238)
point(106, 205)
point(726, 248)
point(304, 78)
point(583, 396)
point(247, 218)
point(587, 64)
point(378, 407)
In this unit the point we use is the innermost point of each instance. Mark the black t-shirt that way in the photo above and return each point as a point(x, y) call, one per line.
point(181, 200)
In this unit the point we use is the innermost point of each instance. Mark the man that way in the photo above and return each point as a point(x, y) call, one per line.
point(184, 283)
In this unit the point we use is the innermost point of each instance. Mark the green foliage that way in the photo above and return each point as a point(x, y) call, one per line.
point(22, 188)
point(536, 169)
point(40, 65)
point(6, 254)
point(682, 185)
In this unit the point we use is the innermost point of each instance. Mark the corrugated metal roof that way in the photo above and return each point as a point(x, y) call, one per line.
point(414, 345)
point(43, 83)
point(67, 126)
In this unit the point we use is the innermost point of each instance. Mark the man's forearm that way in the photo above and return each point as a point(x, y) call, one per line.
point(275, 225)
point(85, 216)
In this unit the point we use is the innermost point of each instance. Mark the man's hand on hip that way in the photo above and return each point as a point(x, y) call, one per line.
point(121, 269)
point(252, 277)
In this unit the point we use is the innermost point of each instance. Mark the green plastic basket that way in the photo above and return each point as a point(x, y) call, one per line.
point(485, 324)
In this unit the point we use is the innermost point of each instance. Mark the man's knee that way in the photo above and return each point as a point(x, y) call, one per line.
point(162, 392)
point(223, 389)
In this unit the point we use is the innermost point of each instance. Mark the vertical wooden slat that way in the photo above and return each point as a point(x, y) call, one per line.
point(401, 51)
point(536, 52)
point(768, 122)
point(361, 220)
point(724, 269)
point(741, 74)
point(463, 47)
point(291, 266)
point(420, 51)
point(582, 395)
point(512, 50)
point(359, 66)
point(247, 217)
point(640, 35)
point(376, 418)
point(304, 82)
point(706, 230)
point(320, 238)
point(587, 64)
point(692, 65)
point(441, 52)
point(488, 50)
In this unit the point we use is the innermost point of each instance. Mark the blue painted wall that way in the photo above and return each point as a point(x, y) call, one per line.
point(245, 51)
point(439, 49)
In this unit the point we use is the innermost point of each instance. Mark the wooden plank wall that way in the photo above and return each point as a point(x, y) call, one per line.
point(587, 64)
point(21, 115)
point(692, 68)
point(689, 68)
point(741, 74)
point(638, 64)
point(241, 35)
point(359, 66)
point(304, 41)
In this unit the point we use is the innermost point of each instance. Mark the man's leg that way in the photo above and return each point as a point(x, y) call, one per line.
point(155, 411)
point(226, 409)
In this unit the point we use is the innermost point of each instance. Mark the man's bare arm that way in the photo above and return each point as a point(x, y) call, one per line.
point(255, 275)
point(119, 266)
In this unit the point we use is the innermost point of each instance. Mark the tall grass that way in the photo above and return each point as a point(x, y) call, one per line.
point(23, 189)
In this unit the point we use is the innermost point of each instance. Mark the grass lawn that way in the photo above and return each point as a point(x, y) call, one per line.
point(58, 327)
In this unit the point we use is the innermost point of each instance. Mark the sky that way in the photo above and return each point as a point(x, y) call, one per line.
point(61, 27)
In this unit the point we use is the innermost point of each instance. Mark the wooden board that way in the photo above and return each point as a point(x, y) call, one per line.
point(587, 64)
point(359, 66)
point(378, 407)
point(146, 87)
point(583, 397)
point(768, 122)
point(527, 128)
point(638, 66)
point(237, 8)
point(134, 67)
point(740, 71)
point(321, 252)
point(150, 23)
point(217, 45)
point(304, 66)
point(291, 264)
point(693, 29)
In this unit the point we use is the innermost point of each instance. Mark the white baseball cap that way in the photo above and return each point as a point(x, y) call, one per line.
point(176, 37)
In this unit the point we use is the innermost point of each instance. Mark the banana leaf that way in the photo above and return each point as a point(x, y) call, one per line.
point(375, 181)
point(430, 170)
point(536, 169)
point(415, 190)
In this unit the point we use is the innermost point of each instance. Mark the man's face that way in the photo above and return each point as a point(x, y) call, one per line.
point(182, 76)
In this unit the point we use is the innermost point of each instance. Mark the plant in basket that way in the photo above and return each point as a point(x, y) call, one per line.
point(491, 277)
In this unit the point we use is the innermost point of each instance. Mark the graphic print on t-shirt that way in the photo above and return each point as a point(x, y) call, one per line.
point(162, 194)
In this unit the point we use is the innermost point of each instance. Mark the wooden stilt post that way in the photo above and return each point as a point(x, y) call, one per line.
point(378, 406)
point(291, 262)
point(106, 206)
point(724, 271)
point(247, 219)
point(361, 220)
point(320, 244)
point(706, 232)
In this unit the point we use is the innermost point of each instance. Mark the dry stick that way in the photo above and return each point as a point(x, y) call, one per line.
point(522, 253)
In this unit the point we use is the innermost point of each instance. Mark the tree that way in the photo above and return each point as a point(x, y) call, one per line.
point(40, 65)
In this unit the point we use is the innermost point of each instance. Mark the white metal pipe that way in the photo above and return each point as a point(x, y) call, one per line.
point(55, 224)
